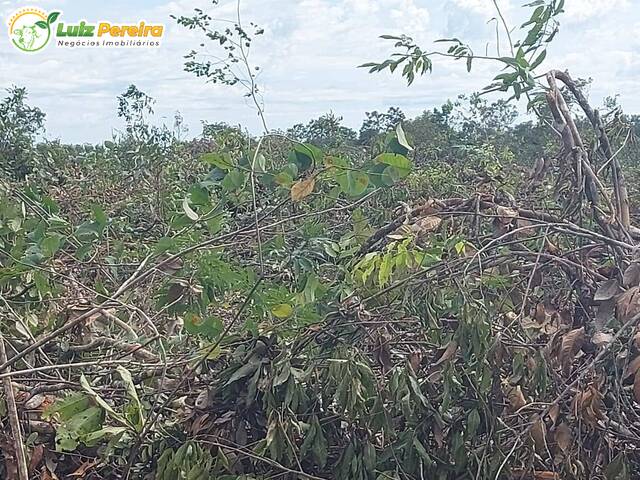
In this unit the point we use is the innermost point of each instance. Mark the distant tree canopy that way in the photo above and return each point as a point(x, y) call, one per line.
point(19, 126)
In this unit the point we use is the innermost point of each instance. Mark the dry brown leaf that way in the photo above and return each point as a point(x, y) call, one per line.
point(506, 214)
point(516, 398)
point(525, 227)
point(521, 474)
point(554, 413)
point(628, 304)
point(438, 434)
point(601, 339)
point(415, 359)
point(171, 266)
point(47, 475)
point(550, 247)
point(636, 387)
point(632, 368)
point(302, 189)
point(449, 353)
point(383, 353)
point(571, 344)
point(426, 224)
point(541, 314)
point(588, 406)
point(636, 340)
point(82, 470)
point(36, 458)
point(563, 437)
point(538, 433)
point(607, 290)
point(631, 276)
point(400, 233)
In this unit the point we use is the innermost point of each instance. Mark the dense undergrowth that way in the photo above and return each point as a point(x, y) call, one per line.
point(443, 297)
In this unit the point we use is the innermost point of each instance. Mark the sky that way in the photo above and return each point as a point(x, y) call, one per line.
point(308, 58)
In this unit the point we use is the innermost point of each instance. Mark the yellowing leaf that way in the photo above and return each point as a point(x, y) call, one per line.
point(282, 310)
point(302, 189)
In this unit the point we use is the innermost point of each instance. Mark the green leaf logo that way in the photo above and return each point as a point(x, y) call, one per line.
point(30, 29)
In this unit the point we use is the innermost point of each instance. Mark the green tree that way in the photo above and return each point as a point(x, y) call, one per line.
point(20, 124)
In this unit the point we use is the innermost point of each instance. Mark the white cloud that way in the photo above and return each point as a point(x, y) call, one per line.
point(308, 54)
point(579, 10)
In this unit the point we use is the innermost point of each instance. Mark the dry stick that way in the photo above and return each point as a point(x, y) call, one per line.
point(619, 186)
point(12, 411)
point(605, 350)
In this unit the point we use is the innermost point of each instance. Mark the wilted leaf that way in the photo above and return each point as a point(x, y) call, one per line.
point(632, 368)
point(84, 468)
point(607, 290)
point(427, 224)
point(628, 304)
point(588, 406)
point(402, 138)
point(601, 338)
point(448, 354)
point(516, 398)
point(188, 211)
point(563, 437)
point(383, 353)
point(571, 344)
point(506, 214)
point(636, 387)
point(631, 276)
point(415, 359)
point(539, 434)
point(302, 189)
point(36, 458)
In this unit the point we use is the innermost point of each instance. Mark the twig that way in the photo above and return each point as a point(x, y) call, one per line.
point(14, 420)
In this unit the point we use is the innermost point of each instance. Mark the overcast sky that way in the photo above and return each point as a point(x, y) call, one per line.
point(308, 56)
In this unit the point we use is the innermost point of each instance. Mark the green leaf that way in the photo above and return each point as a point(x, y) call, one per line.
point(244, 371)
point(401, 163)
point(353, 182)
point(539, 59)
point(209, 327)
point(473, 422)
point(93, 438)
point(305, 156)
point(41, 24)
point(220, 160)
point(53, 16)
point(50, 244)
point(84, 383)
point(234, 180)
point(138, 418)
point(67, 407)
point(69, 433)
